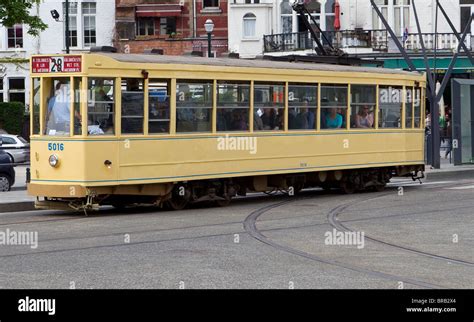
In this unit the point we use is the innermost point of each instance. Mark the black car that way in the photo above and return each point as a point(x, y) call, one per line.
point(7, 172)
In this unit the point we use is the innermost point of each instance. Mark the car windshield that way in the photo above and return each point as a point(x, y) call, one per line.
point(22, 140)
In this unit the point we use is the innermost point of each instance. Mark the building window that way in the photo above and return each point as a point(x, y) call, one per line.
point(16, 90)
point(383, 7)
point(466, 10)
point(1, 90)
point(15, 36)
point(89, 12)
point(286, 17)
point(330, 15)
point(210, 3)
point(250, 20)
point(401, 16)
point(72, 22)
point(252, 1)
point(146, 26)
point(167, 25)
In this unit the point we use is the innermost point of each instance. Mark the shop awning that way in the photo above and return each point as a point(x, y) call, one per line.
point(158, 10)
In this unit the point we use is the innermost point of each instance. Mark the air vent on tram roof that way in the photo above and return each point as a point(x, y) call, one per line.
point(103, 49)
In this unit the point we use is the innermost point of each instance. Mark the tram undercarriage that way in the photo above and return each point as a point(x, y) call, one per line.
point(178, 195)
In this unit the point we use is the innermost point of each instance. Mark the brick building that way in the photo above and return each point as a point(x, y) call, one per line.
point(174, 26)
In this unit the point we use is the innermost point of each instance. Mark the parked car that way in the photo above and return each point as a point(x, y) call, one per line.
point(7, 172)
point(17, 147)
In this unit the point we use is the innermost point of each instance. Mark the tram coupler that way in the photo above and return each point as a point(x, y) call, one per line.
point(418, 176)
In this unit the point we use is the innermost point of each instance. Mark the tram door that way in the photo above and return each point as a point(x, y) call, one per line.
point(463, 121)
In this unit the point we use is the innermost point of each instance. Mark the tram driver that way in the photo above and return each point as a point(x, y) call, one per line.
point(59, 110)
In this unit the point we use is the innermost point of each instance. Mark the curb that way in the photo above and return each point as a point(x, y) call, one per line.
point(17, 206)
point(450, 175)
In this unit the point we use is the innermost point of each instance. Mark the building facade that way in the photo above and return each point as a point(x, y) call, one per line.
point(273, 27)
point(92, 23)
point(172, 27)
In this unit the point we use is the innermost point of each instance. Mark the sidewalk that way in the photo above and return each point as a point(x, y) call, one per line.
point(19, 200)
point(449, 172)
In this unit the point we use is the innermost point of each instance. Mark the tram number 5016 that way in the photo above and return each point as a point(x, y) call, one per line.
point(55, 146)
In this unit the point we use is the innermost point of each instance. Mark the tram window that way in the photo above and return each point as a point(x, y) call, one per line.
point(77, 106)
point(36, 106)
point(194, 106)
point(101, 106)
point(58, 106)
point(159, 106)
point(408, 107)
point(390, 106)
point(363, 106)
point(133, 97)
point(417, 98)
point(233, 105)
point(333, 106)
point(269, 107)
point(302, 106)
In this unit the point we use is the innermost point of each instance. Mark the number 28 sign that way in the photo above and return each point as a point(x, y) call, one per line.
point(57, 64)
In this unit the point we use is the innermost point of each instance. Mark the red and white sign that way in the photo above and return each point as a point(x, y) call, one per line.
point(57, 64)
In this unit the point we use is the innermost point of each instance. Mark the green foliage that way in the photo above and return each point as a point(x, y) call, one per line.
point(18, 11)
point(12, 117)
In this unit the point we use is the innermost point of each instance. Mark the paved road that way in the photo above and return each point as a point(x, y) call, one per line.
point(418, 237)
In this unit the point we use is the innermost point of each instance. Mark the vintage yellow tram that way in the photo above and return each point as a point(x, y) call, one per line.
point(124, 129)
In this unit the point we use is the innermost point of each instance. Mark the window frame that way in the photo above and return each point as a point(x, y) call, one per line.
point(91, 16)
point(15, 38)
point(73, 15)
point(204, 6)
point(17, 91)
point(249, 17)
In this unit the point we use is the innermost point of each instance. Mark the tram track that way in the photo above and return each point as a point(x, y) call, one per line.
point(248, 227)
point(336, 223)
point(251, 228)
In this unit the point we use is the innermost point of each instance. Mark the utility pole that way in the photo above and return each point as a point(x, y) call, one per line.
point(67, 27)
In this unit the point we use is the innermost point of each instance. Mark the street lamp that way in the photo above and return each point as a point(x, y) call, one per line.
point(55, 15)
point(209, 25)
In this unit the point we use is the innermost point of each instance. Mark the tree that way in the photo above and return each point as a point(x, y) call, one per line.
point(18, 11)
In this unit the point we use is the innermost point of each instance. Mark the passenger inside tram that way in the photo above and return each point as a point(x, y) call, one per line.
point(333, 119)
point(365, 118)
point(58, 114)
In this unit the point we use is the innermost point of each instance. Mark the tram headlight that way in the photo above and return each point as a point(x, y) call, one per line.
point(54, 161)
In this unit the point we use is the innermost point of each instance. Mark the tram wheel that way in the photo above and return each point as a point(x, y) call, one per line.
point(225, 202)
point(177, 203)
point(348, 188)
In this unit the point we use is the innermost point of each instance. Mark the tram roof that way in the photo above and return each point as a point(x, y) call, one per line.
point(229, 62)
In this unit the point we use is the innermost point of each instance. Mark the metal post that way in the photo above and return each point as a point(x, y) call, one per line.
point(67, 27)
point(394, 37)
point(209, 51)
point(466, 50)
point(435, 158)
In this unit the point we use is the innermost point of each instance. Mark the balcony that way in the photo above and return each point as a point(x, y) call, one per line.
point(372, 40)
point(442, 41)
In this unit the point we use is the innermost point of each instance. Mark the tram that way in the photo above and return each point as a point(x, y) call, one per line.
point(125, 129)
